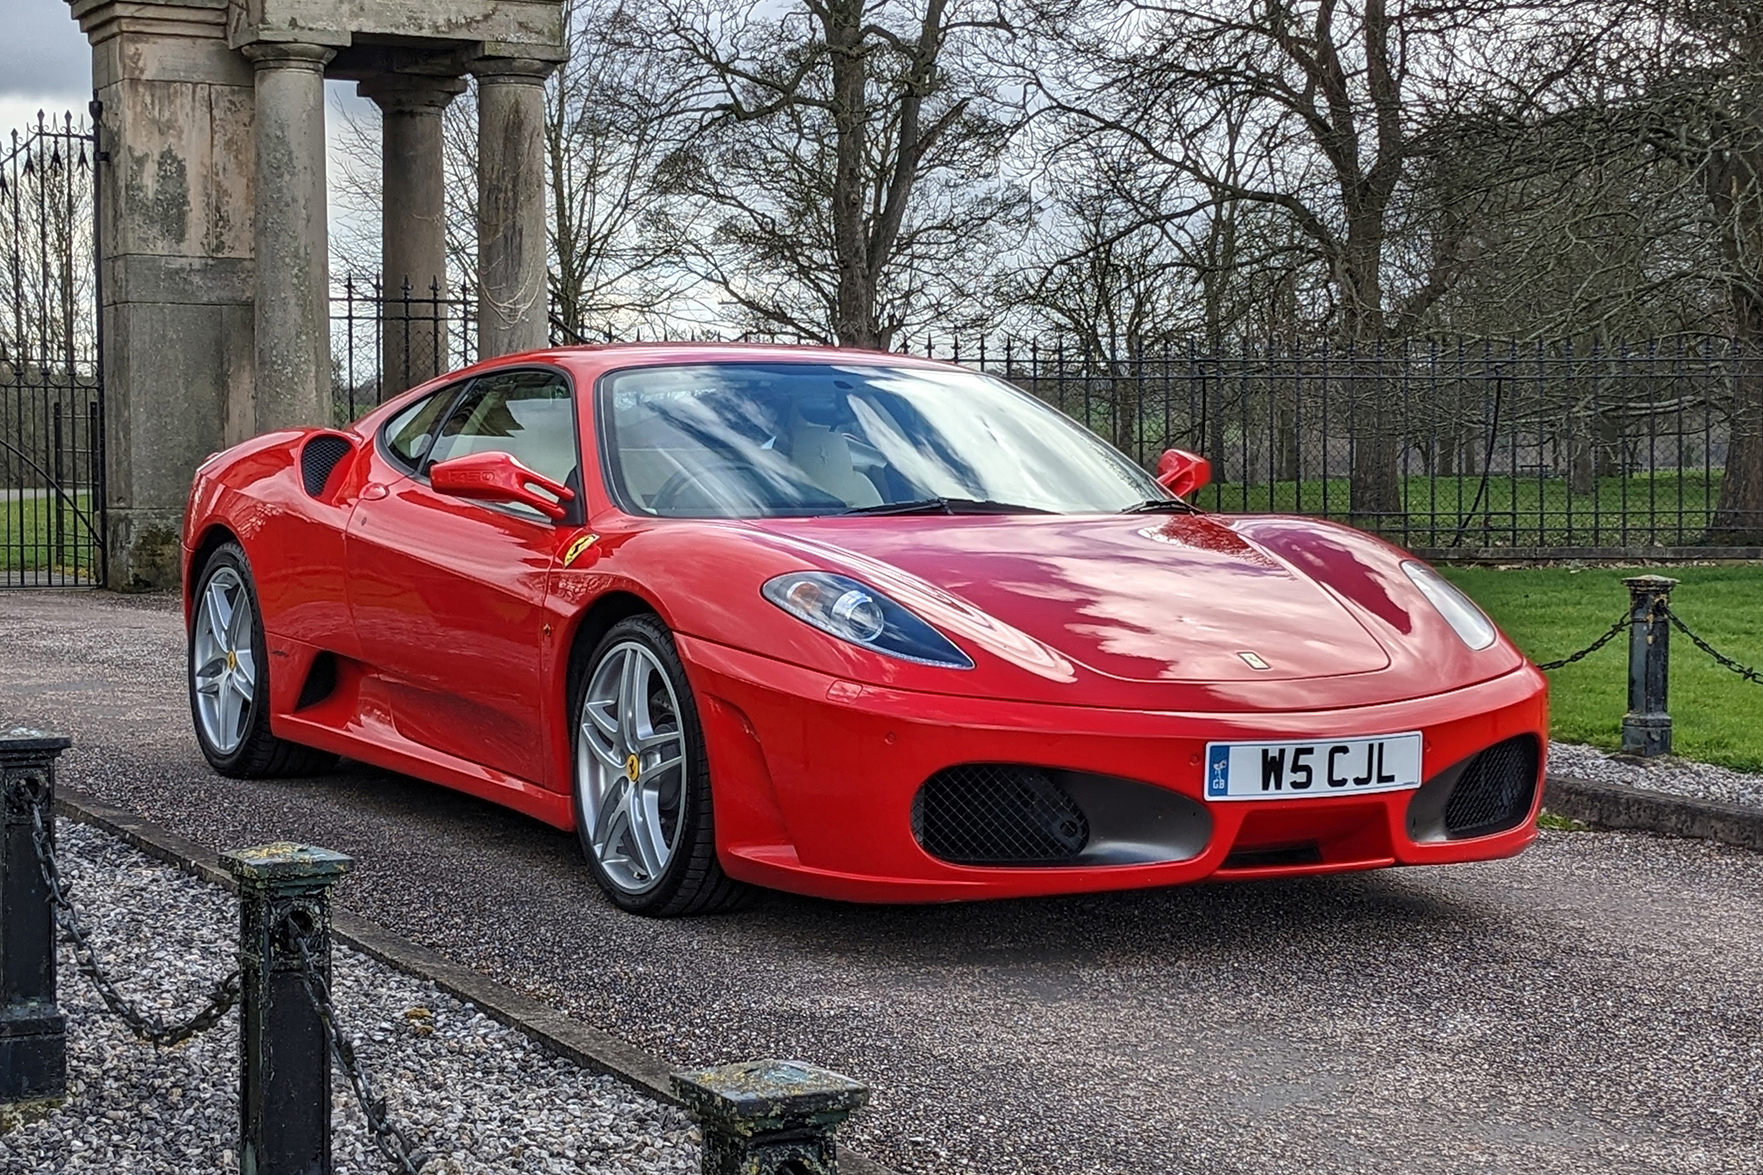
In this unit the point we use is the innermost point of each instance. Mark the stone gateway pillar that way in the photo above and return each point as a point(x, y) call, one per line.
point(178, 279)
point(511, 247)
point(215, 267)
point(292, 236)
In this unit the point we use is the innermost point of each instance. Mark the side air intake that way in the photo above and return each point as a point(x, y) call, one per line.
point(1491, 791)
point(318, 460)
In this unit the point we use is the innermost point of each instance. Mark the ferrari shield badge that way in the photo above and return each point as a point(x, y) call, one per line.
point(580, 543)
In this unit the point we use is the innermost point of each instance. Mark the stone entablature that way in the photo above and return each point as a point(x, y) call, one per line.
point(502, 27)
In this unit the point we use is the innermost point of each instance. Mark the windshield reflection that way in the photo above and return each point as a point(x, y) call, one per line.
point(791, 439)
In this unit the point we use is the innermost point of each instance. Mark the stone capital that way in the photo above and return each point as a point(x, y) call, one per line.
point(408, 93)
point(288, 55)
point(511, 70)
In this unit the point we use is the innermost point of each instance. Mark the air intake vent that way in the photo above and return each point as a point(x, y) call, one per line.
point(1495, 791)
point(319, 458)
point(998, 814)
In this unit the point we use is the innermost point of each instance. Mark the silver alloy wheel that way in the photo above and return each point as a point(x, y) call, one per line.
point(226, 668)
point(630, 753)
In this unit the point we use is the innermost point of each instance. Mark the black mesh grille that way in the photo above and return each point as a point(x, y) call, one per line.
point(318, 458)
point(998, 814)
point(1495, 791)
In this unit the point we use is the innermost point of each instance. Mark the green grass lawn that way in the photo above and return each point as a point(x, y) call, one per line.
point(1643, 510)
point(1717, 717)
point(27, 534)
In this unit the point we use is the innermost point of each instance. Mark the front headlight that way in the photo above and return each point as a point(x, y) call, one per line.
point(1459, 610)
point(840, 606)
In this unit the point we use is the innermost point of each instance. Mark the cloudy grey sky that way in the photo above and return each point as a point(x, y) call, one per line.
point(44, 62)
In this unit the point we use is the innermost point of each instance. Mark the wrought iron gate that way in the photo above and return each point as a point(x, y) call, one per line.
point(52, 502)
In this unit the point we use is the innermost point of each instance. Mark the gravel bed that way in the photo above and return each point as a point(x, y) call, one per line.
point(1702, 781)
point(477, 1096)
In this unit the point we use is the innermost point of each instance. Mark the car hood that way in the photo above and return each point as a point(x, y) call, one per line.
point(1149, 598)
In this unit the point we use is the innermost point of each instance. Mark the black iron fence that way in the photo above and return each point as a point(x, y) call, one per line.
point(1453, 448)
point(1460, 448)
point(385, 340)
point(51, 387)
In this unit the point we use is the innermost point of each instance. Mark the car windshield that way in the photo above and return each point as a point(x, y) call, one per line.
point(751, 440)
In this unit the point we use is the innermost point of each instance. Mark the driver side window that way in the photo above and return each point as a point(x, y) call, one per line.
point(407, 435)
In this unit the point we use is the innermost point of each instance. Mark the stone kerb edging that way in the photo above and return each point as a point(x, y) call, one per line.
point(596, 1051)
point(1616, 805)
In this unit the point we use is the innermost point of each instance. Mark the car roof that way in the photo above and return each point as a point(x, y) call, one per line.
point(598, 357)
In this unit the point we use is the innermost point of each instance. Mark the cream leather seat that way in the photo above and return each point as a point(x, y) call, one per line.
point(824, 457)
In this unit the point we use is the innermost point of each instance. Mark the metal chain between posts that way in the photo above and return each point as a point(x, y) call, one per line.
point(148, 1028)
point(387, 1138)
point(1721, 659)
point(1614, 631)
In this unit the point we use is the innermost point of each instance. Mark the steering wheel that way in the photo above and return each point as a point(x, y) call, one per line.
point(721, 487)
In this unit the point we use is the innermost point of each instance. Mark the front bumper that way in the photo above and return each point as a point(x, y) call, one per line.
point(815, 778)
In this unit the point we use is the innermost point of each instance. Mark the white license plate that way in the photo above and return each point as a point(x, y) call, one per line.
point(1293, 771)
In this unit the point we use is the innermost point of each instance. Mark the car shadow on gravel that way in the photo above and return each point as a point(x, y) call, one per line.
point(392, 823)
point(1123, 926)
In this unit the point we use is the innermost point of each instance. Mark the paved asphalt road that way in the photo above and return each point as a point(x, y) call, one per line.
point(1596, 1005)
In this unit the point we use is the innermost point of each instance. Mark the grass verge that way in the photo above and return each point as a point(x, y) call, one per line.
point(1717, 717)
point(30, 528)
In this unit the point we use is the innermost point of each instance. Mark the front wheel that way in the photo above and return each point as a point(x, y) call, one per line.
point(229, 678)
point(642, 780)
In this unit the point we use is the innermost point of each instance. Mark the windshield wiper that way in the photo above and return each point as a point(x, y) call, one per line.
point(947, 506)
point(1160, 506)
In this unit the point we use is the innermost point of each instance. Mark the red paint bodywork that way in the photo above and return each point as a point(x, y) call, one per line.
point(1106, 644)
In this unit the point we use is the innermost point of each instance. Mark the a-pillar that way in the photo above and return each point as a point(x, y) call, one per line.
point(292, 236)
point(512, 302)
point(413, 227)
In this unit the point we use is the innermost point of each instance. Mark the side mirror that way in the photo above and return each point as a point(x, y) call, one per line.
point(498, 477)
point(1181, 472)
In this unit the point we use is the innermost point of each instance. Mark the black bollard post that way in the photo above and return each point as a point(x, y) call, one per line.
point(1646, 728)
point(769, 1117)
point(284, 1054)
point(33, 1032)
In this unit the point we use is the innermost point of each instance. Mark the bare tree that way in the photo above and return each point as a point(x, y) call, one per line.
point(614, 111)
point(845, 180)
point(1323, 114)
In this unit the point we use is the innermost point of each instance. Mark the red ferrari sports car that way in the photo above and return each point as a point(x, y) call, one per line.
point(849, 624)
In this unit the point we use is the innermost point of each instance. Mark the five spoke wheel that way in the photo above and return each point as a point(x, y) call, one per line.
point(225, 667)
point(630, 766)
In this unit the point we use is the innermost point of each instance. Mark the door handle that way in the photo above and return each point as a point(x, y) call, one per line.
point(373, 491)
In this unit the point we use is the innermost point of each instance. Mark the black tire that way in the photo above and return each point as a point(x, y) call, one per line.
point(692, 881)
point(259, 754)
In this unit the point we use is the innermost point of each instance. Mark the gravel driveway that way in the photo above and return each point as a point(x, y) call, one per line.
point(1595, 1005)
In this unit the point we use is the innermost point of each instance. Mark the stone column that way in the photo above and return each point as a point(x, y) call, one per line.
point(413, 228)
point(292, 236)
point(512, 300)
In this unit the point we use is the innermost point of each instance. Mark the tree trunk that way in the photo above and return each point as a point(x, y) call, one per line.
point(854, 314)
point(1738, 515)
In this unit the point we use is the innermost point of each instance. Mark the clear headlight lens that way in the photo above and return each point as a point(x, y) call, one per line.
point(840, 606)
point(1459, 610)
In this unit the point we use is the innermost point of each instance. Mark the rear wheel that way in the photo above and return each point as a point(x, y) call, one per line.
point(642, 780)
point(229, 678)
